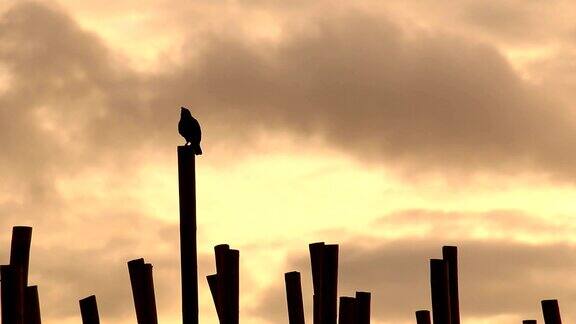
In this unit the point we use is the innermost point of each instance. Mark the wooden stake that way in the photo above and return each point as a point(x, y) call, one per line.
point(188, 249)
point(32, 306)
point(348, 311)
point(12, 294)
point(450, 255)
point(363, 307)
point(317, 262)
point(329, 295)
point(423, 317)
point(20, 249)
point(294, 297)
point(89, 310)
point(551, 311)
point(440, 291)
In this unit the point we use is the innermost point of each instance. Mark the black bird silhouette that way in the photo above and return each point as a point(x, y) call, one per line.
point(189, 128)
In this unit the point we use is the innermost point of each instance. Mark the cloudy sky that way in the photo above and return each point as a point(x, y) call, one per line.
point(389, 127)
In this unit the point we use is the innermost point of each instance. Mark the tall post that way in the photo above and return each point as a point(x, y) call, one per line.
point(294, 297)
point(450, 255)
point(363, 307)
point(551, 311)
point(89, 310)
point(12, 294)
point(329, 296)
point(20, 249)
point(150, 297)
point(440, 291)
point(188, 252)
point(32, 306)
point(317, 262)
point(423, 317)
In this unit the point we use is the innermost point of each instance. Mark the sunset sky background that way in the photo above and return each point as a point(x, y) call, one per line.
point(389, 127)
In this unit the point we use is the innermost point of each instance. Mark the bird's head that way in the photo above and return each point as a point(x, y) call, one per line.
point(185, 112)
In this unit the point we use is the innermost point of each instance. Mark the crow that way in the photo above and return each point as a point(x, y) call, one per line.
point(189, 128)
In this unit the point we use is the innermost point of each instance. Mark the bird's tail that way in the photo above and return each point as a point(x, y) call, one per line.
point(197, 149)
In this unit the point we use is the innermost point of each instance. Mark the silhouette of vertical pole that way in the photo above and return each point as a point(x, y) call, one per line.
point(188, 252)
point(234, 256)
point(348, 311)
point(551, 311)
point(32, 306)
point(223, 284)
point(89, 310)
point(136, 280)
point(317, 262)
point(149, 296)
point(363, 307)
point(20, 249)
point(440, 291)
point(529, 322)
point(294, 297)
point(450, 255)
point(423, 317)
point(12, 294)
point(329, 295)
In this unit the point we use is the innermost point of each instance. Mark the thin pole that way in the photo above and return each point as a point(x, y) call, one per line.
point(150, 297)
point(294, 297)
point(89, 310)
point(234, 256)
point(551, 311)
point(329, 295)
point(188, 249)
point(317, 262)
point(450, 255)
point(440, 291)
point(135, 269)
point(363, 307)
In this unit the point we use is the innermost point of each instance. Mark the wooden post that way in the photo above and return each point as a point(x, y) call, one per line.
point(294, 297)
point(12, 294)
point(348, 311)
point(89, 310)
point(20, 249)
point(317, 262)
point(329, 296)
point(529, 322)
point(363, 307)
point(551, 311)
point(188, 250)
point(223, 283)
point(450, 255)
point(32, 306)
point(440, 291)
point(150, 297)
point(423, 317)
point(234, 256)
point(135, 268)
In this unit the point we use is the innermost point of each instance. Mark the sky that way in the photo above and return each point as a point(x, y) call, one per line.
point(389, 127)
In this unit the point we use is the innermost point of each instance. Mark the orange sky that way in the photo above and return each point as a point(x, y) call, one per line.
point(390, 128)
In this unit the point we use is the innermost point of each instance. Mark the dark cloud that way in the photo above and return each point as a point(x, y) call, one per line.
point(496, 278)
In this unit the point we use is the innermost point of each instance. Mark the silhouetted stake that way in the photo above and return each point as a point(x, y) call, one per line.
point(440, 291)
point(142, 282)
point(294, 297)
point(317, 262)
point(529, 322)
point(234, 256)
point(89, 310)
point(32, 306)
point(20, 249)
point(423, 317)
point(223, 283)
point(150, 298)
point(213, 284)
point(188, 252)
point(12, 294)
point(450, 255)
point(348, 313)
point(329, 296)
point(363, 307)
point(135, 268)
point(551, 311)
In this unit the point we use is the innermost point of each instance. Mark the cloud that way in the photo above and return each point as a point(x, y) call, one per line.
point(497, 278)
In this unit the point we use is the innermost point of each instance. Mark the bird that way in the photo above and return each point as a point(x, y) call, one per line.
point(189, 128)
